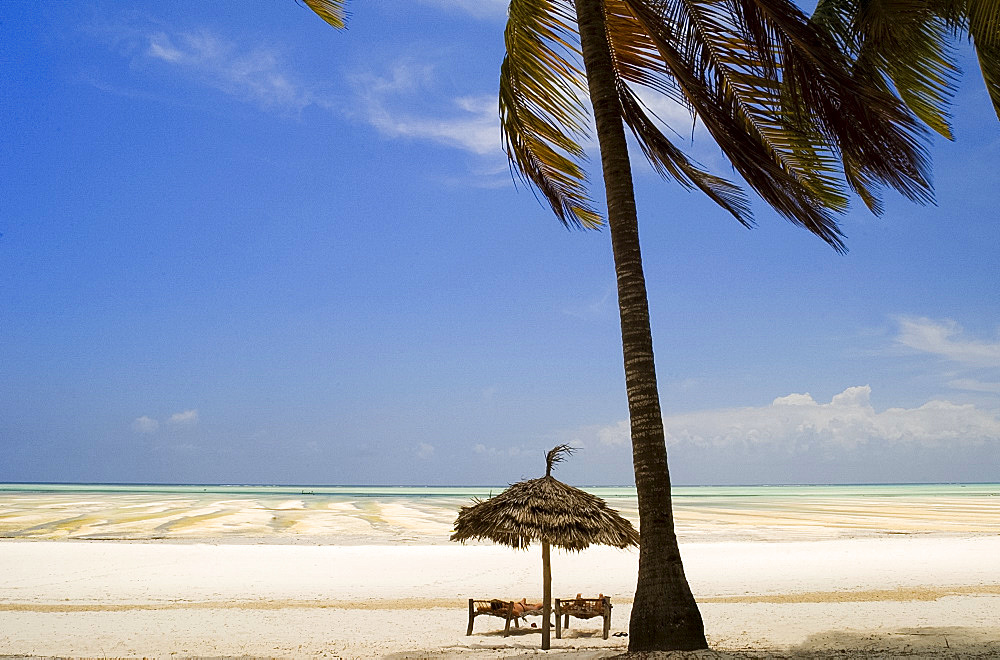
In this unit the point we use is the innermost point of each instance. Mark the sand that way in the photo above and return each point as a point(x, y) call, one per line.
point(891, 595)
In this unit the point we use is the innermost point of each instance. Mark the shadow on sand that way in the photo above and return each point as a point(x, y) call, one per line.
point(951, 642)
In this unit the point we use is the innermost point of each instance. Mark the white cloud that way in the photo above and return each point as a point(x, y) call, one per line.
point(794, 400)
point(145, 424)
point(186, 418)
point(475, 128)
point(797, 423)
point(425, 450)
point(256, 74)
point(947, 339)
point(616, 434)
point(470, 123)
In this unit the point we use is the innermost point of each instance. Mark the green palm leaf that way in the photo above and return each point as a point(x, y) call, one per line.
point(878, 140)
point(905, 42)
point(984, 30)
point(542, 93)
point(727, 69)
point(542, 113)
point(899, 42)
point(770, 87)
point(671, 163)
point(635, 60)
point(989, 64)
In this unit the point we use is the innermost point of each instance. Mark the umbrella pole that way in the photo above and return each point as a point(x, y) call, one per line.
point(546, 594)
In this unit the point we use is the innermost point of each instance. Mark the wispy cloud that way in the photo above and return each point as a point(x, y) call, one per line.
point(186, 418)
point(256, 74)
point(974, 385)
point(473, 128)
point(470, 123)
point(947, 339)
point(424, 450)
point(483, 172)
point(401, 102)
point(798, 423)
point(476, 8)
point(598, 305)
point(507, 451)
point(180, 448)
point(145, 424)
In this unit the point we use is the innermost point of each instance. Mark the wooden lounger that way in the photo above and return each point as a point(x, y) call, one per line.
point(582, 608)
point(503, 609)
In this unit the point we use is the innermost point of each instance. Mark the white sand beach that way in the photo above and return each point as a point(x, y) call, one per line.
point(104, 571)
point(897, 594)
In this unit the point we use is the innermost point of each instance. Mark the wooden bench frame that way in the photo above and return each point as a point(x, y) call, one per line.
point(506, 612)
point(582, 608)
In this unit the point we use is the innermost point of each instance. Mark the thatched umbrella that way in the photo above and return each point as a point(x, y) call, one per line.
point(549, 511)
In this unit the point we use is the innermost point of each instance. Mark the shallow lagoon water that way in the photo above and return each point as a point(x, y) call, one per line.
point(380, 515)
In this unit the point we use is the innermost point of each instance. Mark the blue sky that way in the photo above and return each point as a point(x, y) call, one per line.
point(240, 246)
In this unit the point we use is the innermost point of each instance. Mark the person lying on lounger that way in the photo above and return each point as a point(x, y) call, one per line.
point(524, 606)
point(586, 604)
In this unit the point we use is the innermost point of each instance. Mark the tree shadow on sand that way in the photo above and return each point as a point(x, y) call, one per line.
point(927, 642)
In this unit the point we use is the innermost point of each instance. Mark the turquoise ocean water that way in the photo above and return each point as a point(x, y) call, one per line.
point(424, 515)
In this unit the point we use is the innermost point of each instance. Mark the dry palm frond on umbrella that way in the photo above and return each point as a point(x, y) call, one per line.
point(550, 512)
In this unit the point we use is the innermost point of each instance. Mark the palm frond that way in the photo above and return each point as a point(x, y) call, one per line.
point(333, 12)
point(975, 19)
point(636, 57)
point(557, 454)
point(901, 42)
point(984, 30)
point(989, 64)
point(726, 64)
point(542, 114)
point(671, 163)
point(636, 60)
point(880, 141)
point(979, 21)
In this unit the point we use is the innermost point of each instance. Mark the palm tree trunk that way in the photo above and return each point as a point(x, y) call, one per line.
point(664, 613)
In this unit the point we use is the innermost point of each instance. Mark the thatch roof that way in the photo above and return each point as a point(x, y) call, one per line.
point(545, 509)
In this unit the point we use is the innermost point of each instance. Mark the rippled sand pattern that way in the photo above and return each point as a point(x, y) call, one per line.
point(719, 514)
point(812, 517)
point(152, 516)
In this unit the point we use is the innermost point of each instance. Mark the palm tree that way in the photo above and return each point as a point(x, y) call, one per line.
point(777, 96)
